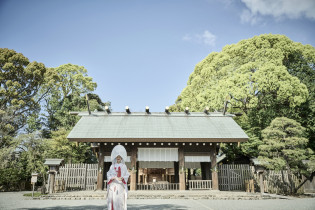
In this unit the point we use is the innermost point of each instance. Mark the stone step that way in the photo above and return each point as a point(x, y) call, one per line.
point(219, 195)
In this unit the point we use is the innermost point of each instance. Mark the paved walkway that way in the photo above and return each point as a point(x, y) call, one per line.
point(16, 200)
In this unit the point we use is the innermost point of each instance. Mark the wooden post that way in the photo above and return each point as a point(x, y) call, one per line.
point(214, 169)
point(133, 174)
point(261, 183)
point(51, 182)
point(181, 160)
point(100, 173)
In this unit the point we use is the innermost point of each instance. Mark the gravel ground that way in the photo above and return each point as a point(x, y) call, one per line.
point(16, 200)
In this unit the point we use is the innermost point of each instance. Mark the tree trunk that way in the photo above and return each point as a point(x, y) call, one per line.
point(301, 184)
point(292, 187)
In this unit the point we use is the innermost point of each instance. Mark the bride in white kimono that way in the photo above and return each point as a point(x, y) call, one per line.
point(117, 178)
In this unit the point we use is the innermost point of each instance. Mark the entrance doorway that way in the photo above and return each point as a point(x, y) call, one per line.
point(157, 178)
point(156, 175)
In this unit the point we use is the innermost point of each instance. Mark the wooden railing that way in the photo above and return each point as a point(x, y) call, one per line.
point(199, 184)
point(158, 186)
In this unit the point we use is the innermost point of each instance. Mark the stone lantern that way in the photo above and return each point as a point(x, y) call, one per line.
point(259, 169)
point(53, 169)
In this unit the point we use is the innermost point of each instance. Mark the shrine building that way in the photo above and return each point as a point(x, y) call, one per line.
point(160, 145)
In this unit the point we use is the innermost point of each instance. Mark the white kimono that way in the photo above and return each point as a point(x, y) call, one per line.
point(117, 190)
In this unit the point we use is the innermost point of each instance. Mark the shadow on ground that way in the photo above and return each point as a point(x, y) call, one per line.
point(130, 207)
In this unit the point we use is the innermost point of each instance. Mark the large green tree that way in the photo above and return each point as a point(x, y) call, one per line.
point(285, 148)
point(25, 155)
point(262, 77)
point(67, 93)
point(20, 81)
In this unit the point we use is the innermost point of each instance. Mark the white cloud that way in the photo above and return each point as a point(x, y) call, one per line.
point(227, 3)
point(187, 37)
point(248, 17)
point(292, 9)
point(206, 38)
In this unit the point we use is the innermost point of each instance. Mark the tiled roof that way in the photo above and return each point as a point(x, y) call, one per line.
point(211, 127)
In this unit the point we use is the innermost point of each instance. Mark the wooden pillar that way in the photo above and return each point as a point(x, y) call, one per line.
point(214, 169)
point(133, 174)
point(181, 160)
point(100, 174)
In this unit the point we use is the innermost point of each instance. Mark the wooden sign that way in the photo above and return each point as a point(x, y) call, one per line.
point(34, 179)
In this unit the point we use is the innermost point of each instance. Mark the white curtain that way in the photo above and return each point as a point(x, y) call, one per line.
point(158, 154)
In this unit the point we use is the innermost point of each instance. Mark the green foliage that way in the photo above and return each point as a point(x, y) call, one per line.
point(67, 93)
point(11, 175)
point(285, 148)
point(33, 150)
point(73, 80)
point(71, 152)
point(23, 86)
point(264, 77)
point(284, 145)
point(20, 81)
point(36, 194)
point(24, 156)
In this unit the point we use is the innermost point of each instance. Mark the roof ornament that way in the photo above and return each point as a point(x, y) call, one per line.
point(107, 109)
point(206, 110)
point(187, 110)
point(147, 109)
point(127, 109)
point(167, 109)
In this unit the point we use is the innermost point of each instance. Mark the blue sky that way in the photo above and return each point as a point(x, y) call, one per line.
point(141, 52)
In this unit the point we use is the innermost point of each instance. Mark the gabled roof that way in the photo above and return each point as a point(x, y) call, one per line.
point(53, 162)
point(156, 127)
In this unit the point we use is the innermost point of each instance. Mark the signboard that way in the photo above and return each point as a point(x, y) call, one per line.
point(34, 179)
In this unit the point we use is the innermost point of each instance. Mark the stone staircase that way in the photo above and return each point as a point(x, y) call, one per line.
point(196, 194)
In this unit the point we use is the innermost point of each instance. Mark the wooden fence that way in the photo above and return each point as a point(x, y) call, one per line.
point(76, 177)
point(278, 182)
point(242, 177)
point(233, 177)
point(199, 184)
